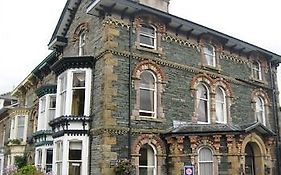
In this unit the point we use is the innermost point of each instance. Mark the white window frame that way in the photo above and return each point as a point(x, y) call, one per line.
point(206, 100)
point(203, 162)
point(69, 90)
point(260, 109)
point(154, 90)
point(257, 70)
point(46, 163)
point(45, 114)
point(155, 160)
point(82, 43)
point(75, 161)
point(207, 54)
point(142, 34)
point(223, 103)
point(59, 156)
point(14, 128)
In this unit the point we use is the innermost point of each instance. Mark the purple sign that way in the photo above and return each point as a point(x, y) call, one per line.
point(188, 170)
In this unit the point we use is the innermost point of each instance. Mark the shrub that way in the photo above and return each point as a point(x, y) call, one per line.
point(123, 167)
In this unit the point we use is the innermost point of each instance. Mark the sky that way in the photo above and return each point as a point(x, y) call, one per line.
point(27, 26)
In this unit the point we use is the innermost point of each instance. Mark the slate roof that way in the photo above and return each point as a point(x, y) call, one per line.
point(207, 129)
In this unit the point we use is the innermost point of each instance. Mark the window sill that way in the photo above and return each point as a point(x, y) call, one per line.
point(142, 118)
point(152, 50)
point(258, 80)
point(211, 68)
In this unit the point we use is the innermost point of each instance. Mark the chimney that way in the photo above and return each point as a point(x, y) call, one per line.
point(162, 5)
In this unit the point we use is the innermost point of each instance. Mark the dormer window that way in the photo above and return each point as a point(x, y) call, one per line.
point(209, 55)
point(147, 36)
point(82, 43)
point(256, 70)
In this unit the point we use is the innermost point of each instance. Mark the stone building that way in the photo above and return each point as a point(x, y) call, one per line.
point(128, 80)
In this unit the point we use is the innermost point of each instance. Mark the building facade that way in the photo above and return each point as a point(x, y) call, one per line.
point(128, 80)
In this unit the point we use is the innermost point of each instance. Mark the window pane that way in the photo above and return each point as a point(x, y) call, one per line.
point(146, 100)
point(147, 80)
point(20, 129)
point(202, 111)
point(49, 157)
point(59, 151)
point(79, 79)
point(52, 104)
point(147, 36)
point(78, 100)
point(62, 103)
point(209, 53)
point(147, 40)
point(220, 105)
point(206, 169)
point(260, 110)
point(42, 105)
point(147, 163)
point(59, 168)
point(75, 168)
point(147, 30)
point(63, 83)
point(205, 161)
point(205, 155)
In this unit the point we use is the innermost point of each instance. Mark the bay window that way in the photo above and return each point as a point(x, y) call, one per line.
point(47, 106)
point(74, 86)
point(18, 127)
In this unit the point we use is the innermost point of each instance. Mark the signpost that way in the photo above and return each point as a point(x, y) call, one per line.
point(188, 170)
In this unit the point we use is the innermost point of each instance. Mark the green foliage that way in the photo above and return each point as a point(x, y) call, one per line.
point(20, 161)
point(14, 141)
point(27, 170)
point(123, 167)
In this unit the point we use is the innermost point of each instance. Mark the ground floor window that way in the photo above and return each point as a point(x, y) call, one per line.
point(59, 157)
point(205, 159)
point(147, 160)
point(49, 160)
point(75, 158)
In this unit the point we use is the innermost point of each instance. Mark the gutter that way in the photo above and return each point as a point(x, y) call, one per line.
point(130, 89)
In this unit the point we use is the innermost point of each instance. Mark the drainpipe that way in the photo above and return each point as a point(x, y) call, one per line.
point(275, 117)
point(130, 88)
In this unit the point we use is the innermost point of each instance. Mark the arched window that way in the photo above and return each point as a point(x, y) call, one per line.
point(203, 103)
point(205, 161)
point(82, 43)
point(221, 114)
point(256, 69)
point(260, 110)
point(147, 160)
point(209, 55)
point(249, 160)
point(147, 36)
point(147, 94)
